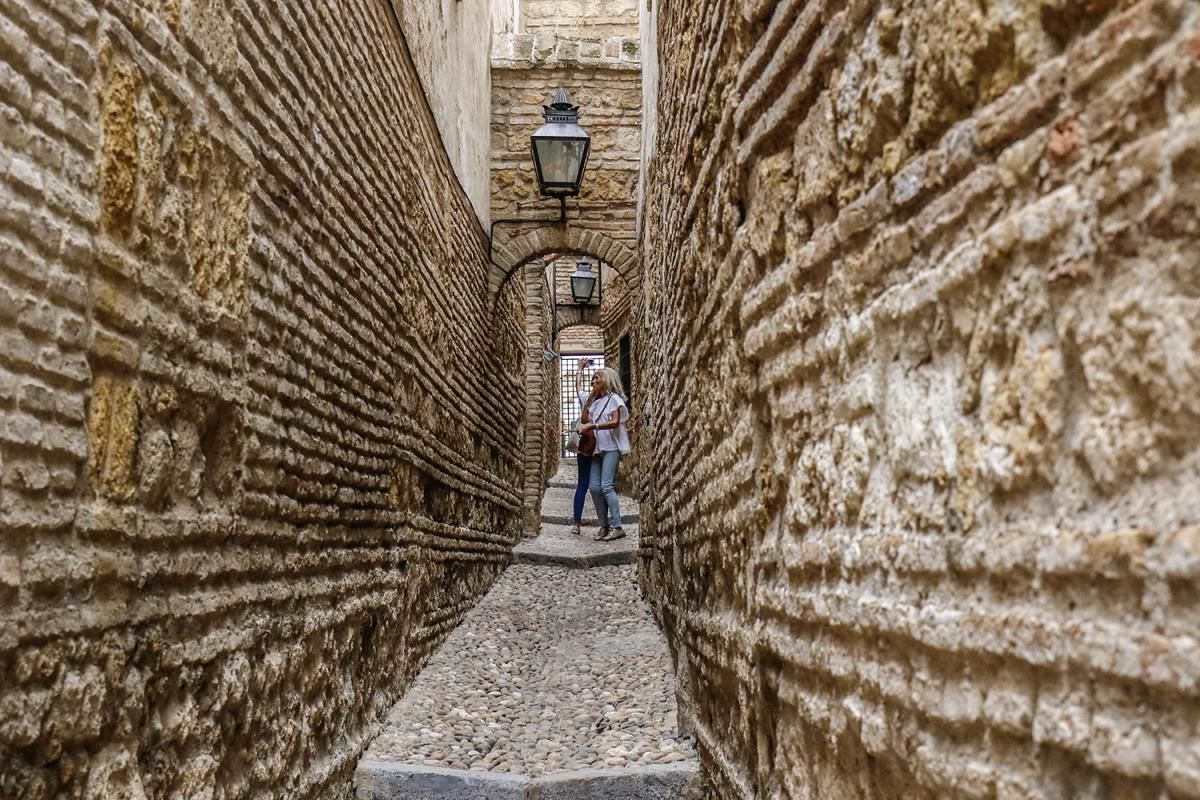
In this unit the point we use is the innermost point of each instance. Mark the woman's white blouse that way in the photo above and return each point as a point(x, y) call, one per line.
point(614, 438)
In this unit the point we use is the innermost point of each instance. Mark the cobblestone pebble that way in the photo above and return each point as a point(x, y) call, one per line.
point(555, 669)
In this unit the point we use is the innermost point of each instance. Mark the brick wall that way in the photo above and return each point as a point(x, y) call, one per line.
point(551, 402)
point(585, 20)
point(539, 391)
point(921, 369)
point(246, 360)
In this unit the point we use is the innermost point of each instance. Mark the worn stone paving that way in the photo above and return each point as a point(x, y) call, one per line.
point(556, 669)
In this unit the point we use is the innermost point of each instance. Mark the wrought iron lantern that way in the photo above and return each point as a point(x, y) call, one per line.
point(583, 282)
point(560, 148)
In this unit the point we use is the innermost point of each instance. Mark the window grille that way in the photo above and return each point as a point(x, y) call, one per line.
point(571, 367)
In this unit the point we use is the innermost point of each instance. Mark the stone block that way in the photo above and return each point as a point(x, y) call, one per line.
point(670, 782)
point(382, 780)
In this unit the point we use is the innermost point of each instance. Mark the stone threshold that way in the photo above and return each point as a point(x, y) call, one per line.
point(530, 553)
point(386, 780)
point(555, 546)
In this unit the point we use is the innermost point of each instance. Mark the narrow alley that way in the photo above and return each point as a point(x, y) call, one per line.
point(885, 315)
point(559, 676)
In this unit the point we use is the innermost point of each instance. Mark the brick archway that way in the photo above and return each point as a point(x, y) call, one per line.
point(572, 316)
point(520, 250)
point(517, 258)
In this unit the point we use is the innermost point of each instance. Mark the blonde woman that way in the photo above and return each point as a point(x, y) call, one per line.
point(606, 414)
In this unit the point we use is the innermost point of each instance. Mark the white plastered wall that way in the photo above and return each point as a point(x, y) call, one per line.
point(450, 41)
point(649, 32)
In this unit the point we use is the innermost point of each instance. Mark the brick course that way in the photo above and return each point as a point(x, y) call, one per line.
point(260, 421)
point(919, 379)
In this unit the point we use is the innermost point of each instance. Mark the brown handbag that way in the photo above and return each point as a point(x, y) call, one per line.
point(587, 439)
point(587, 443)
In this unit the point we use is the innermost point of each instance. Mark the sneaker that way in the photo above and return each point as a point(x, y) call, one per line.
point(575, 529)
point(614, 534)
point(602, 534)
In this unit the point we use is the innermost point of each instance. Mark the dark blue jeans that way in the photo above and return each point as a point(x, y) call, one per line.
point(581, 484)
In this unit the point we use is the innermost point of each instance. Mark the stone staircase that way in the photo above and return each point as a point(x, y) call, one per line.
point(556, 545)
point(557, 686)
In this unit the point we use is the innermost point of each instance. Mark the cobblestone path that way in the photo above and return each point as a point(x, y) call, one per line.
point(558, 669)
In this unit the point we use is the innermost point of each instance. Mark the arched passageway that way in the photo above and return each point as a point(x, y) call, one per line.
point(581, 351)
point(510, 256)
point(524, 258)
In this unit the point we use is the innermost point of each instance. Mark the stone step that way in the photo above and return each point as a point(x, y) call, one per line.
point(558, 507)
point(382, 780)
point(555, 546)
point(550, 558)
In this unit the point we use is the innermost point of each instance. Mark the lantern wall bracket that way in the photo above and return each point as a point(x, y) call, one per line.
point(561, 219)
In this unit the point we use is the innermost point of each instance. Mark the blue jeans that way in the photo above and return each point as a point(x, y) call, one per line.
point(604, 492)
point(584, 463)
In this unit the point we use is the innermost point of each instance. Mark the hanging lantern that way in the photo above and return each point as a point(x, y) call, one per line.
point(560, 148)
point(583, 282)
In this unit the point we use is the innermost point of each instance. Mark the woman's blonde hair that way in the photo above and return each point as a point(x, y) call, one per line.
point(613, 382)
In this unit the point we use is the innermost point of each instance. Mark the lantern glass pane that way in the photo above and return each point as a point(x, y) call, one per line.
point(560, 159)
point(582, 288)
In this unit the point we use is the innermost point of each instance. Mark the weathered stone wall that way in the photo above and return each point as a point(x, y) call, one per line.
point(587, 339)
point(260, 430)
point(450, 42)
point(583, 20)
point(610, 111)
point(594, 31)
point(921, 380)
